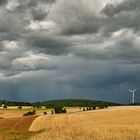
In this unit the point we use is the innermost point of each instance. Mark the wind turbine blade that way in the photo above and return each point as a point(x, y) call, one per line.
point(135, 89)
point(130, 90)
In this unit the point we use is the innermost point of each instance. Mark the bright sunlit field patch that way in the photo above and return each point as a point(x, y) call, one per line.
point(117, 123)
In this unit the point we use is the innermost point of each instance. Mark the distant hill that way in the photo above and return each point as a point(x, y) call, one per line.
point(13, 103)
point(66, 102)
point(74, 103)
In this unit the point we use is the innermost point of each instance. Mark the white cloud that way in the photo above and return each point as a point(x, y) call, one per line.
point(31, 61)
point(39, 25)
point(12, 5)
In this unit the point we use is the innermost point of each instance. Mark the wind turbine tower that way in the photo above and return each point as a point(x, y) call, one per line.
point(133, 95)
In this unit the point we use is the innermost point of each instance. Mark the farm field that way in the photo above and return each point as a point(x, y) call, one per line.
point(115, 123)
point(16, 128)
point(13, 126)
point(14, 112)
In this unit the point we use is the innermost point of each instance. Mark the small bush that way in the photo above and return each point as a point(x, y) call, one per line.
point(45, 113)
point(64, 111)
point(90, 108)
point(30, 113)
point(37, 106)
point(52, 112)
point(105, 106)
point(101, 107)
point(84, 109)
point(94, 107)
point(5, 106)
point(19, 107)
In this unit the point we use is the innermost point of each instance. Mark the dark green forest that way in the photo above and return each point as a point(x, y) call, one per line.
point(63, 103)
point(13, 103)
point(74, 103)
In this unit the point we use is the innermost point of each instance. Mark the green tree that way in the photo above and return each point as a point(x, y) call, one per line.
point(59, 109)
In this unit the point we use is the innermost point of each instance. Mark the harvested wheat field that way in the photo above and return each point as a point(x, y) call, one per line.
point(11, 113)
point(17, 123)
point(116, 123)
point(16, 128)
point(14, 112)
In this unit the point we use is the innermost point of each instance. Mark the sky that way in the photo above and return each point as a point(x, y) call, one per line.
point(76, 49)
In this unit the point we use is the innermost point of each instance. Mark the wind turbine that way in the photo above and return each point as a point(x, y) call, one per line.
point(133, 95)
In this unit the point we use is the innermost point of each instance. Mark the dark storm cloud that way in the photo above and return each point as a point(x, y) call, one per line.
point(69, 49)
point(123, 48)
point(72, 19)
point(50, 45)
point(41, 11)
point(82, 27)
point(79, 21)
point(118, 7)
point(38, 14)
point(121, 15)
point(26, 4)
point(5, 25)
point(3, 2)
point(38, 10)
point(11, 26)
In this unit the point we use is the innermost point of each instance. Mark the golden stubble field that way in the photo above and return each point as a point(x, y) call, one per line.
point(116, 123)
point(12, 111)
point(13, 126)
point(113, 123)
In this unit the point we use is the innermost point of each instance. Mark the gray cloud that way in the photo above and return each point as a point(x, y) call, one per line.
point(42, 10)
point(3, 2)
point(39, 14)
point(118, 7)
point(93, 20)
point(72, 50)
point(5, 26)
point(51, 45)
point(74, 19)
point(122, 47)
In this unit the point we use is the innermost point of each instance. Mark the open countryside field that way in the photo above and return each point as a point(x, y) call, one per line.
point(12, 111)
point(16, 128)
point(13, 126)
point(115, 123)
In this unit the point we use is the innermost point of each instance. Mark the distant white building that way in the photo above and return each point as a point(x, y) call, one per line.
point(2, 105)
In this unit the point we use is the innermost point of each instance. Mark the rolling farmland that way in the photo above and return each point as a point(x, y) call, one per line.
point(17, 123)
point(16, 128)
point(115, 123)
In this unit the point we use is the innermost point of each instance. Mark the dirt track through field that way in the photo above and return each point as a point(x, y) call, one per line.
point(17, 123)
